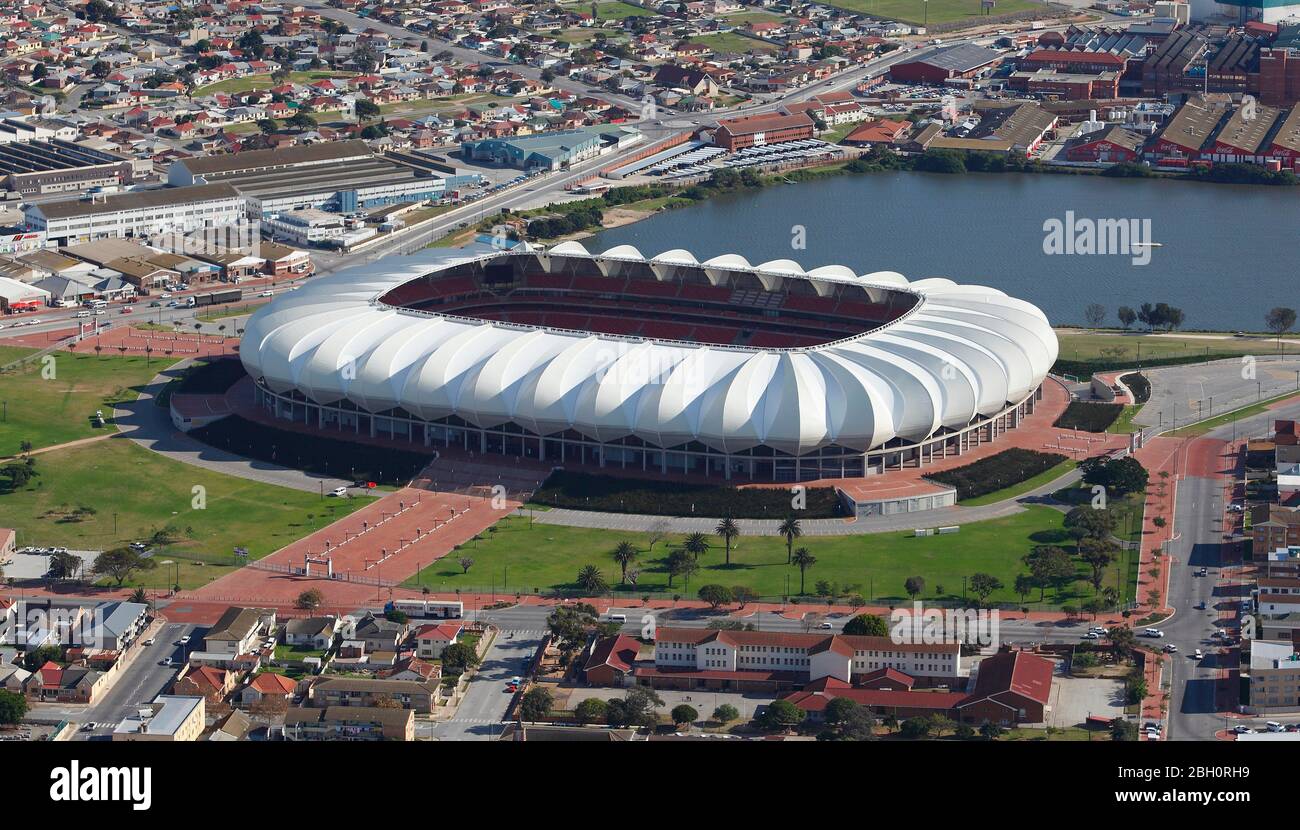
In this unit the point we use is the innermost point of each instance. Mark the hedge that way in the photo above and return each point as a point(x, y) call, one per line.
point(1086, 368)
point(1138, 385)
point(314, 453)
point(210, 377)
point(614, 494)
point(997, 472)
point(1089, 416)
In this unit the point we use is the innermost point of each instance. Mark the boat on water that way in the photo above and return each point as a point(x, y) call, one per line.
point(1147, 244)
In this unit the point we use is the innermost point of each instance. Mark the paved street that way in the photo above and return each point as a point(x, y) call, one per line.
point(480, 713)
point(1180, 394)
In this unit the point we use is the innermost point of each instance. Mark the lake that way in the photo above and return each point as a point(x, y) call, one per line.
point(1227, 253)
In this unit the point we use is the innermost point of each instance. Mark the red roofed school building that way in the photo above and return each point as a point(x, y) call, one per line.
point(611, 661)
point(1010, 687)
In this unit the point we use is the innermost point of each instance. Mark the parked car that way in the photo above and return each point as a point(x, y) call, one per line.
point(339, 492)
point(183, 641)
point(1198, 655)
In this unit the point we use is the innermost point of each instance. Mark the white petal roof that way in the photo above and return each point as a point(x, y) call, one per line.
point(961, 352)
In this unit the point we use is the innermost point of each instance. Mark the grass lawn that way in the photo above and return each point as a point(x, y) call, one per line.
point(732, 42)
point(265, 82)
point(48, 410)
point(135, 492)
point(1115, 346)
point(547, 557)
point(940, 11)
point(1228, 417)
point(613, 10)
point(741, 18)
point(1045, 477)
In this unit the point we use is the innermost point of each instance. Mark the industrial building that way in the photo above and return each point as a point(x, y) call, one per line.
point(342, 176)
point(143, 213)
point(758, 130)
point(961, 61)
point(551, 150)
point(53, 165)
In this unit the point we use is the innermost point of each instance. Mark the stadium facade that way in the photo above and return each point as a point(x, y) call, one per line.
point(663, 364)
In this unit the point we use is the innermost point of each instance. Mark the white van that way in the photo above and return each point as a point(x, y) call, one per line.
point(618, 618)
point(96, 304)
point(1274, 726)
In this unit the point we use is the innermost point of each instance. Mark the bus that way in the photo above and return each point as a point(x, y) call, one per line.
point(421, 609)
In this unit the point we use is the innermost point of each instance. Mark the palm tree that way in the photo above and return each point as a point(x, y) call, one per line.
point(805, 560)
point(591, 580)
point(728, 530)
point(791, 530)
point(625, 554)
point(697, 544)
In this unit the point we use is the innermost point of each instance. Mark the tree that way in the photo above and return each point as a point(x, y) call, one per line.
point(310, 599)
point(729, 531)
point(302, 121)
point(715, 595)
point(366, 109)
point(696, 544)
point(1122, 642)
point(990, 731)
point(1119, 476)
point(1122, 730)
point(840, 710)
point(914, 585)
point(684, 715)
point(536, 703)
point(726, 713)
point(781, 716)
point(591, 710)
point(867, 625)
point(804, 560)
point(465, 562)
point(1126, 316)
point(637, 708)
point(458, 657)
point(120, 563)
point(983, 585)
point(1095, 313)
point(1049, 565)
point(13, 708)
point(591, 580)
point(251, 43)
point(1279, 321)
point(625, 554)
point(681, 563)
point(791, 530)
point(1024, 586)
point(742, 595)
point(1098, 555)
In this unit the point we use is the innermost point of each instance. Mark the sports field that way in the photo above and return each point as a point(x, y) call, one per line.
point(938, 11)
point(517, 558)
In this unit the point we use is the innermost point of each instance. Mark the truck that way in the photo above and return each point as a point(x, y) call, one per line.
point(226, 295)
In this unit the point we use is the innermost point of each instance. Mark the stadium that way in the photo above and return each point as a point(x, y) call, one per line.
point(662, 364)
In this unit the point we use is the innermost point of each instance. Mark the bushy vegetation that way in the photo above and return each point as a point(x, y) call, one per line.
point(1138, 385)
point(1244, 174)
point(612, 494)
point(210, 377)
point(314, 453)
point(997, 472)
point(1085, 368)
point(1089, 416)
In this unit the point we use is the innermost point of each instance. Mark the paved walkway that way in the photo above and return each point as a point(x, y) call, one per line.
point(151, 427)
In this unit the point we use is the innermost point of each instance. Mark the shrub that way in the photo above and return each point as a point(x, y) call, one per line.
point(1089, 416)
point(1138, 385)
point(997, 472)
point(613, 494)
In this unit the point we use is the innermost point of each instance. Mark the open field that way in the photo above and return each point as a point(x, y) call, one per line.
point(135, 493)
point(741, 18)
point(266, 82)
point(732, 42)
point(611, 10)
point(547, 557)
point(1117, 346)
point(939, 11)
point(52, 403)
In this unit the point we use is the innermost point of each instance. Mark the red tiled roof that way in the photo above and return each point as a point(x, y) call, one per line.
point(447, 632)
point(619, 652)
point(270, 683)
point(844, 644)
point(816, 695)
point(1018, 672)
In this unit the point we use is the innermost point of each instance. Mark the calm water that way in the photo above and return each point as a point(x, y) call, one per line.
point(1229, 252)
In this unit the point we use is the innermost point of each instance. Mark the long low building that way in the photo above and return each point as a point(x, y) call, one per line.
point(53, 165)
point(139, 214)
point(551, 150)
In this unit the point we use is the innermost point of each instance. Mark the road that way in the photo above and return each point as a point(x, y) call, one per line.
point(140, 683)
point(480, 713)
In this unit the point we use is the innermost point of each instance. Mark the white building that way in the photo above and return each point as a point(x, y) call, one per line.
point(306, 227)
point(819, 655)
point(145, 213)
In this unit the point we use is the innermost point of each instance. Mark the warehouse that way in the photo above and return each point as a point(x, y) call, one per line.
point(1068, 86)
point(550, 150)
point(962, 61)
point(57, 166)
point(169, 210)
point(1189, 129)
point(342, 176)
point(1242, 139)
point(19, 296)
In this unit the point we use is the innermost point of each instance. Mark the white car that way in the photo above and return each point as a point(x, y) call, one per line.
point(147, 642)
point(1170, 648)
point(1092, 635)
point(267, 294)
point(166, 662)
point(183, 641)
point(339, 492)
point(825, 625)
point(1236, 508)
point(1198, 654)
point(1243, 730)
